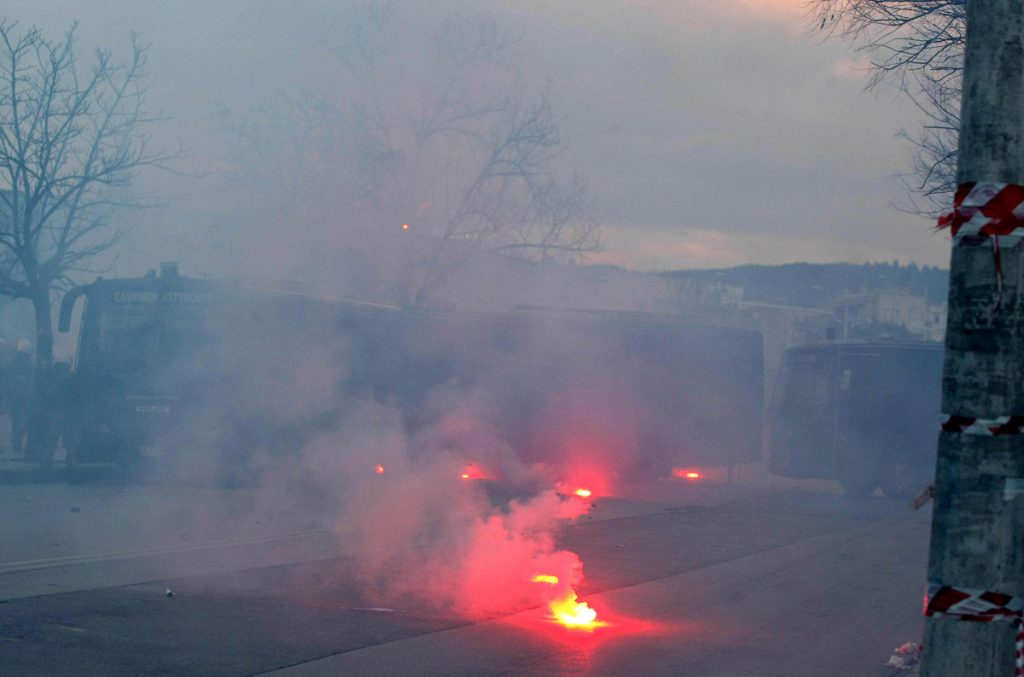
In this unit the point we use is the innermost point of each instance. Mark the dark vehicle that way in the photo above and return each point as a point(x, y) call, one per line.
point(196, 370)
point(168, 365)
point(865, 414)
point(639, 392)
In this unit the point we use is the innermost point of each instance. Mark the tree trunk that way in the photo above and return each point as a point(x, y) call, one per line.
point(44, 329)
point(42, 411)
point(978, 525)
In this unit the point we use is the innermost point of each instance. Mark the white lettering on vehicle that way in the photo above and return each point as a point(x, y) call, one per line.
point(187, 297)
point(135, 297)
point(166, 297)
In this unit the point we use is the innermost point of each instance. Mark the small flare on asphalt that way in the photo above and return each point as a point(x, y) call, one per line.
point(572, 613)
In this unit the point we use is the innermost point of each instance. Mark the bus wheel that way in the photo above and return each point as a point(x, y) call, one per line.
point(857, 476)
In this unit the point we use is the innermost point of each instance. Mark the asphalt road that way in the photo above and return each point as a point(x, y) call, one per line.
point(716, 581)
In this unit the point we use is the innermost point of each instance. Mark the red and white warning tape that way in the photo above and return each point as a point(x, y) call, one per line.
point(986, 209)
point(969, 425)
point(982, 606)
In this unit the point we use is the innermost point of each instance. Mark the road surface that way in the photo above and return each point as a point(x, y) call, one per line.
point(715, 581)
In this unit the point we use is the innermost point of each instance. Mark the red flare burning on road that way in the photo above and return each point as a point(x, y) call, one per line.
point(473, 472)
point(379, 469)
point(687, 474)
point(583, 493)
point(566, 608)
point(479, 557)
point(572, 613)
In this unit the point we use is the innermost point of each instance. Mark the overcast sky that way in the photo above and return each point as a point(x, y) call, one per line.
point(713, 132)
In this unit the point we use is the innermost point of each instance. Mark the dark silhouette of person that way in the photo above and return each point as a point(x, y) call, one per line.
point(19, 395)
point(49, 408)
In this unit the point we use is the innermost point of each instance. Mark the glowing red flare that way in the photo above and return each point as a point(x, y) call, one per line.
point(474, 472)
point(379, 469)
point(572, 613)
point(686, 474)
point(405, 226)
point(584, 493)
point(566, 608)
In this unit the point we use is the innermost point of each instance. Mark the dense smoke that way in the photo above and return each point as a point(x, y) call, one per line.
point(420, 533)
point(407, 179)
point(448, 447)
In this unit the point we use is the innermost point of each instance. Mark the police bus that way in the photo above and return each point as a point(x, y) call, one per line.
point(863, 413)
point(203, 369)
point(227, 379)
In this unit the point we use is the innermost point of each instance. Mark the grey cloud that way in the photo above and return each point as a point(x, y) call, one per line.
point(684, 117)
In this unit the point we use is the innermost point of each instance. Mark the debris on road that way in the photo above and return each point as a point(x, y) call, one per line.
point(906, 657)
point(168, 592)
point(75, 508)
point(927, 494)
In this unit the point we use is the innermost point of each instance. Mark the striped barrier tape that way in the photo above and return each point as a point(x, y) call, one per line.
point(970, 425)
point(982, 606)
point(986, 210)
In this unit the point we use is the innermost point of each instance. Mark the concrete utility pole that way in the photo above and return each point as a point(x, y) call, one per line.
point(978, 525)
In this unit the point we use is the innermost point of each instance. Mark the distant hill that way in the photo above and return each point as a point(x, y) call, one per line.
point(817, 284)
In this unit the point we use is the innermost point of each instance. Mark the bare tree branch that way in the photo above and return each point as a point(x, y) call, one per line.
point(918, 45)
point(68, 141)
point(429, 127)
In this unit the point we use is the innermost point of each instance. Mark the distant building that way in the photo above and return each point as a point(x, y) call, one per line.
point(892, 306)
point(491, 281)
point(935, 322)
point(686, 292)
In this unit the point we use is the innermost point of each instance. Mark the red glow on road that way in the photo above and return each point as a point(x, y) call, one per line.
point(405, 226)
point(566, 607)
point(572, 613)
point(583, 479)
point(611, 627)
point(584, 485)
point(687, 474)
point(473, 472)
point(379, 469)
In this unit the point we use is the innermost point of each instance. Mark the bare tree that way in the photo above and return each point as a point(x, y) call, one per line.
point(430, 134)
point(70, 138)
point(918, 45)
